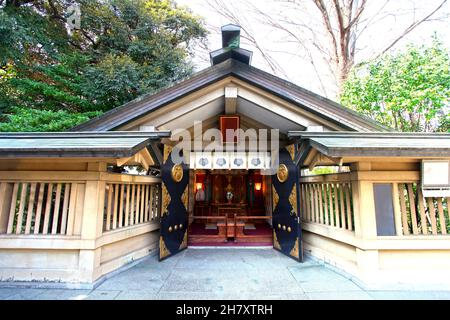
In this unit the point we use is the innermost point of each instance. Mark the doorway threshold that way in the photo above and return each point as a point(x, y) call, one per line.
point(229, 244)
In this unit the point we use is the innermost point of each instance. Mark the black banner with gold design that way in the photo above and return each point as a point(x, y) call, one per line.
point(287, 236)
point(174, 216)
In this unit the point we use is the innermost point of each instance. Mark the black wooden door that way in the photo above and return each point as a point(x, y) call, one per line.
point(287, 236)
point(174, 216)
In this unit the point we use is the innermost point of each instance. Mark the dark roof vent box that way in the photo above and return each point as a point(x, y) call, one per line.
point(231, 38)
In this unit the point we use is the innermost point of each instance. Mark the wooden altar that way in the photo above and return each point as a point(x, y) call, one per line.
point(212, 187)
point(227, 203)
point(230, 208)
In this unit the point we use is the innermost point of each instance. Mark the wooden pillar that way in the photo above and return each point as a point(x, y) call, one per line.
point(365, 221)
point(364, 204)
point(5, 205)
point(92, 225)
point(397, 210)
point(364, 210)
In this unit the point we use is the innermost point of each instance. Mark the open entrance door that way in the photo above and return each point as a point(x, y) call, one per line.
point(174, 216)
point(287, 236)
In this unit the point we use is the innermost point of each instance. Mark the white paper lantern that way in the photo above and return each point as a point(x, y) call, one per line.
point(238, 160)
point(256, 160)
point(221, 160)
point(203, 160)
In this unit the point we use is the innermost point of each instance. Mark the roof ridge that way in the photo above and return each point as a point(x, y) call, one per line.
point(314, 95)
point(367, 135)
point(152, 95)
point(85, 134)
point(301, 97)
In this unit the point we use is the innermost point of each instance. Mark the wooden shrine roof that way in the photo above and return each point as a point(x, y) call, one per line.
point(351, 144)
point(283, 89)
point(76, 144)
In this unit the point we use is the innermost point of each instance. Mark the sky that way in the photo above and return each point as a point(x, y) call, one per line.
point(389, 22)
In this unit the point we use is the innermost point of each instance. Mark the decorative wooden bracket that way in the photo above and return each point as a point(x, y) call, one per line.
point(318, 157)
point(142, 158)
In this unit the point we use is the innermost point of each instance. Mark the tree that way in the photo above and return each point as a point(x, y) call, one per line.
point(331, 36)
point(123, 49)
point(34, 120)
point(408, 91)
point(143, 51)
point(54, 86)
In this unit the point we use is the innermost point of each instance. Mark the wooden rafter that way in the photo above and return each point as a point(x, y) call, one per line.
point(142, 158)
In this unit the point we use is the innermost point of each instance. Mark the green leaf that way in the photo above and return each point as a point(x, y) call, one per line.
point(408, 91)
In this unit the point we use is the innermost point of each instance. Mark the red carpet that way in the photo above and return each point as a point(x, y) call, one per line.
point(199, 236)
point(197, 228)
point(261, 230)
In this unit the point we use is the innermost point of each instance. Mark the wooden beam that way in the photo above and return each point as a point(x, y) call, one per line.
point(314, 161)
point(308, 156)
point(180, 106)
point(231, 94)
point(143, 158)
point(281, 107)
point(156, 152)
point(337, 161)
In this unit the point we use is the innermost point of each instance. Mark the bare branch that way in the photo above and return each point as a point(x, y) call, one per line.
point(410, 28)
point(324, 35)
point(358, 14)
point(327, 22)
point(221, 8)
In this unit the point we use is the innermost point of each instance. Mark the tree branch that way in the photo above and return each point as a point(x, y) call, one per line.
point(326, 20)
point(410, 28)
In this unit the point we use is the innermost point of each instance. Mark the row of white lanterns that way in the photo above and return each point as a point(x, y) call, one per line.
point(230, 160)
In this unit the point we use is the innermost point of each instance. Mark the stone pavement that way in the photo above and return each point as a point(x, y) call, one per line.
point(223, 274)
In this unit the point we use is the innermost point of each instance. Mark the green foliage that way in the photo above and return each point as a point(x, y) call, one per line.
point(48, 86)
point(6, 73)
point(27, 33)
point(145, 49)
point(125, 48)
point(32, 120)
point(114, 81)
point(324, 170)
point(408, 91)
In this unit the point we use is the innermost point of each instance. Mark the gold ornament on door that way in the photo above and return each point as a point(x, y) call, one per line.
point(165, 200)
point(163, 251)
point(177, 173)
point(282, 173)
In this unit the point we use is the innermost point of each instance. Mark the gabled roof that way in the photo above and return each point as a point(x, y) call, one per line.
point(76, 144)
point(288, 91)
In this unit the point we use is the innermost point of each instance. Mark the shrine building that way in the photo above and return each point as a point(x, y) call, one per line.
point(231, 157)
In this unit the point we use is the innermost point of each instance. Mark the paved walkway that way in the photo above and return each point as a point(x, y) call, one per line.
point(223, 274)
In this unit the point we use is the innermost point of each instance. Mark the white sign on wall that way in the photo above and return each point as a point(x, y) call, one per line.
point(436, 178)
